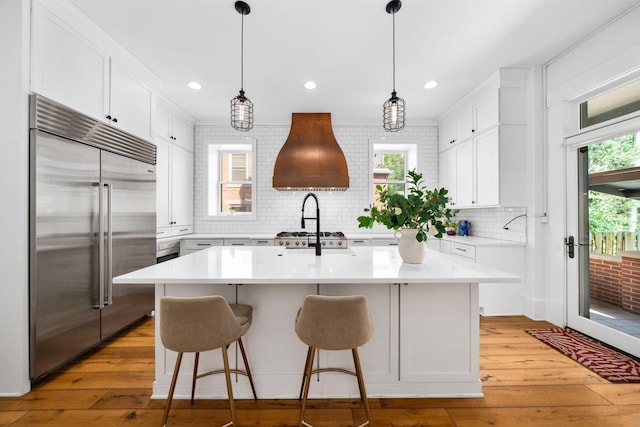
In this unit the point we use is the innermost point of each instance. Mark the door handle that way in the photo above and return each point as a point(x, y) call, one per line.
point(109, 277)
point(570, 243)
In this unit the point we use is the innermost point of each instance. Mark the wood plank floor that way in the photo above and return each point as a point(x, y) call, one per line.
point(525, 383)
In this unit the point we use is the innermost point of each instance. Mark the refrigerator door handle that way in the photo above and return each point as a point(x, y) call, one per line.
point(100, 246)
point(109, 276)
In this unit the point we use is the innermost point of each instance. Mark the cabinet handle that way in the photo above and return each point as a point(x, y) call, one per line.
point(203, 244)
point(473, 202)
point(114, 120)
point(184, 229)
point(108, 117)
point(461, 250)
point(452, 141)
point(473, 130)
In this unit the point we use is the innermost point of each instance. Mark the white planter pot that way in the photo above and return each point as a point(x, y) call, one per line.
point(411, 251)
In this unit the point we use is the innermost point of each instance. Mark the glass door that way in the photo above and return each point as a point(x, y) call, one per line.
point(603, 239)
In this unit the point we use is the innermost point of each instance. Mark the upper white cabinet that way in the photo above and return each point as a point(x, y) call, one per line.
point(482, 162)
point(69, 67)
point(172, 125)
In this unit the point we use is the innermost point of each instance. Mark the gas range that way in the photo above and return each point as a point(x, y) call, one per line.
point(300, 239)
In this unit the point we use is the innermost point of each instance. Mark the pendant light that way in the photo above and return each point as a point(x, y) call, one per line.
point(241, 106)
point(393, 108)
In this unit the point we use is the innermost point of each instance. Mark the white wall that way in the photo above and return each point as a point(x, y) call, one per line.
point(14, 74)
point(604, 59)
point(278, 210)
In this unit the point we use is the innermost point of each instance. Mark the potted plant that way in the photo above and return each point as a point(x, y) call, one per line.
point(414, 217)
point(451, 228)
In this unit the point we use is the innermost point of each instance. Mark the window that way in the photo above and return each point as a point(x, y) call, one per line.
point(391, 161)
point(230, 185)
point(609, 105)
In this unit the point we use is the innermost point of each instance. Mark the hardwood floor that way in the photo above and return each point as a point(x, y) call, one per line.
point(525, 384)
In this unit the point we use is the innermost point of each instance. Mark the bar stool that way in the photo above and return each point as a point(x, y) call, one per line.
point(195, 324)
point(333, 323)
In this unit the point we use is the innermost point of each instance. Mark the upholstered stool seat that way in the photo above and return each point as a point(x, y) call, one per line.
point(333, 323)
point(196, 324)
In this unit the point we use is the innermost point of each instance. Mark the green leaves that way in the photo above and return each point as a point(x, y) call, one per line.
point(422, 209)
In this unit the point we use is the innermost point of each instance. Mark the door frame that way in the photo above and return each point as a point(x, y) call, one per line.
point(591, 328)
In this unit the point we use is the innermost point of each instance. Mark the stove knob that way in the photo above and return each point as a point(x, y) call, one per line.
point(340, 243)
point(324, 242)
point(281, 243)
point(297, 243)
point(287, 243)
point(304, 243)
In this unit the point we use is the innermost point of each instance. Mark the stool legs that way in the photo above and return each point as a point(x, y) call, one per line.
point(306, 382)
point(227, 374)
point(246, 367)
point(195, 376)
point(171, 389)
point(363, 392)
point(304, 374)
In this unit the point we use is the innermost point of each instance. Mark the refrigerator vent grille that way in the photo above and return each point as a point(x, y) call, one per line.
point(52, 117)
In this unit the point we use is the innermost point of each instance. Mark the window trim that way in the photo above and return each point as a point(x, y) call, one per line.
point(212, 174)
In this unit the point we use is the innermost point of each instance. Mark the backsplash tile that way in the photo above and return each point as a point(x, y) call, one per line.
point(489, 222)
point(277, 211)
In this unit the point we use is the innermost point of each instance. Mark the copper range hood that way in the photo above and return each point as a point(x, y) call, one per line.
point(311, 158)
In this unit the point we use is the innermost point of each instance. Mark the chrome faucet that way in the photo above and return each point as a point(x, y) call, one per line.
point(317, 219)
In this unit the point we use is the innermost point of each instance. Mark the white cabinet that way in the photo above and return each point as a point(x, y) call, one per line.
point(484, 166)
point(129, 102)
point(67, 68)
point(495, 299)
point(174, 189)
point(423, 308)
point(171, 125)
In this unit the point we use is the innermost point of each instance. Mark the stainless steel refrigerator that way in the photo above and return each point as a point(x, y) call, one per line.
point(92, 217)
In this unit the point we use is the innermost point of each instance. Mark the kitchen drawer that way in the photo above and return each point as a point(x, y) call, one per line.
point(358, 242)
point(262, 242)
point(196, 244)
point(180, 230)
point(384, 242)
point(462, 250)
point(237, 242)
point(163, 232)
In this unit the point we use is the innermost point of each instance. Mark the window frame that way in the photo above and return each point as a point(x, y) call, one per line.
point(213, 150)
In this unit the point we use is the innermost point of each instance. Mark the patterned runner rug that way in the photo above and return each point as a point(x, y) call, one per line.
point(604, 361)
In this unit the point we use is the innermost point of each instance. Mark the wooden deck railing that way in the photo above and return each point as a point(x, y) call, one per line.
point(611, 243)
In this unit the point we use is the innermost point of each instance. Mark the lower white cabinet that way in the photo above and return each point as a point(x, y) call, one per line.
point(495, 299)
point(174, 189)
point(422, 306)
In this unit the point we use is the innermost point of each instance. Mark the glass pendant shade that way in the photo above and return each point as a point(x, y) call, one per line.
point(241, 112)
point(393, 113)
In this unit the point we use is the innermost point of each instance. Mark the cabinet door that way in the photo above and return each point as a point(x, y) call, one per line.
point(447, 174)
point(447, 134)
point(67, 69)
point(182, 132)
point(130, 103)
point(464, 125)
point(487, 112)
point(488, 168)
point(163, 184)
point(379, 357)
point(181, 186)
point(465, 176)
point(162, 121)
point(439, 332)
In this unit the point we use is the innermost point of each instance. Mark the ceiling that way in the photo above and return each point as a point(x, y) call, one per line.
point(345, 46)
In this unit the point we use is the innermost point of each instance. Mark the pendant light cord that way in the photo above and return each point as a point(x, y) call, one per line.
point(394, 50)
point(242, 52)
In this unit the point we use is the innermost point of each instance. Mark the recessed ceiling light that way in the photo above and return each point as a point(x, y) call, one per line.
point(431, 84)
point(194, 85)
point(310, 85)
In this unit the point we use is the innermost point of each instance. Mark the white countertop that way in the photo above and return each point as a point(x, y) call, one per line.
point(269, 264)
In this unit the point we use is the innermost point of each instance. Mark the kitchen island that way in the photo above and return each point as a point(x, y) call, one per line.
point(426, 320)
